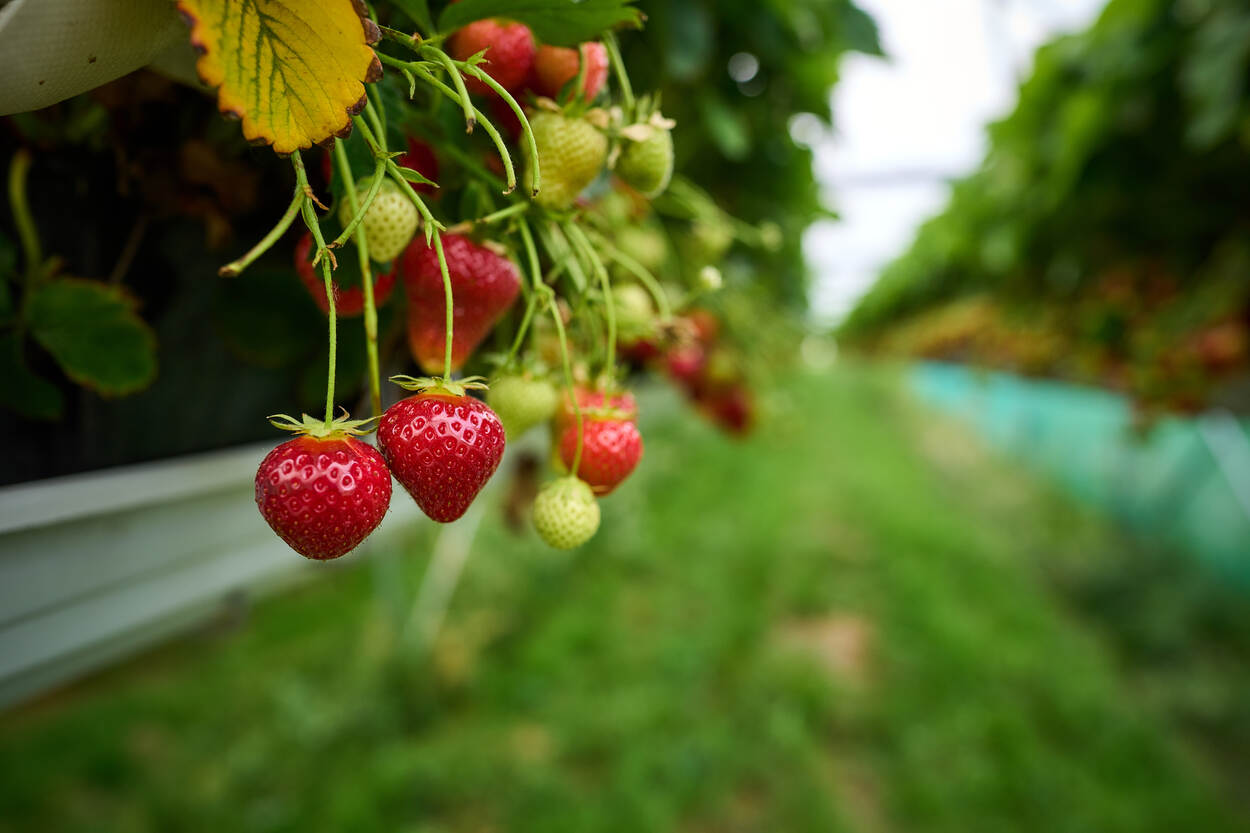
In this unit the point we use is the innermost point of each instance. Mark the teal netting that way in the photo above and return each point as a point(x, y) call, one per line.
point(1184, 484)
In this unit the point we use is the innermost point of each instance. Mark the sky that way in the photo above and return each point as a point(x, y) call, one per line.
point(907, 125)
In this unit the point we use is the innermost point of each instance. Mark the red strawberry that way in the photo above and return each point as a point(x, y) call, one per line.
point(685, 365)
point(732, 408)
point(483, 286)
point(611, 448)
point(509, 53)
point(442, 446)
point(347, 302)
point(555, 66)
point(595, 402)
point(323, 495)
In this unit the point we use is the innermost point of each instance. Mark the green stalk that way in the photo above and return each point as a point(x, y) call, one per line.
point(618, 69)
point(25, 221)
point(568, 380)
point(457, 80)
point(359, 210)
point(310, 220)
point(502, 148)
point(644, 277)
point(232, 269)
point(451, 308)
point(485, 78)
point(366, 279)
point(530, 306)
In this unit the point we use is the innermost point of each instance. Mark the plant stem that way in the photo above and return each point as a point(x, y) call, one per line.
point(568, 380)
point(232, 269)
point(618, 69)
point(504, 156)
point(643, 275)
point(526, 130)
point(19, 167)
point(358, 211)
point(457, 80)
point(523, 329)
point(366, 279)
point(451, 307)
point(579, 239)
point(310, 220)
point(493, 217)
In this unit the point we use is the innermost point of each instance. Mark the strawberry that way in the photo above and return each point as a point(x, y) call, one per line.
point(635, 315)
point(571, 153)
point(621, 405)
point(522, 401)
point(347, 302)
point(442, 446)
point(566, 513)
point(647, 166)
point(509, 53)
point(390, 221)
point(323, 495)
point(732, 408)
point(611, 449)
point(555, 66)
point(483, 286)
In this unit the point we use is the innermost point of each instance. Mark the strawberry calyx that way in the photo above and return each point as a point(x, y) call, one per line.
point(437, 384)
point(310, 426)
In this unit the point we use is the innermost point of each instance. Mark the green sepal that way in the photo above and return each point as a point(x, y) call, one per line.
point(436, 384)
point(310, 426)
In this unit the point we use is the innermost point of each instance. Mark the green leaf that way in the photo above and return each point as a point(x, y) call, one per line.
point(24, 391)
point(93, 332)
point(555, 22)
point(859, 30)
point(418, 12)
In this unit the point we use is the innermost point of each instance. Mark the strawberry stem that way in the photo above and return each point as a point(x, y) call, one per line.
point(359, 211)
point(462, 94)
point(579, 239)
point(618, 69)
point(310, 220)
point(526, 130)
point(451, 307)
point(366, 276)
point(541, 289)
point(19, 167)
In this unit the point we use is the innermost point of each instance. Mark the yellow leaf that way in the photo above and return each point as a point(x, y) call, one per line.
point(292, 70)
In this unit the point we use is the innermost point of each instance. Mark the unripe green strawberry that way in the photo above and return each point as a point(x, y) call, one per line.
point(571, 153)
point(521, 402)
point(566, 513)
point(390, 222)
point(635, 317)
point(647, 166)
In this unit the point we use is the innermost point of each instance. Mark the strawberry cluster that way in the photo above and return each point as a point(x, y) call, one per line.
point(554, 248)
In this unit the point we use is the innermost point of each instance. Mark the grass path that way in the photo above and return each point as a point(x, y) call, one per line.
point(838, 625)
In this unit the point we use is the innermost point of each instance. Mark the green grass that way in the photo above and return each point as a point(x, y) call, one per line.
point(852, 622)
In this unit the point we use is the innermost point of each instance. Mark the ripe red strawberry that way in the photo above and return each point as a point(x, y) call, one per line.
point(731, 408)
point(323, 495)
point(347, 302)
point(555, 66)
point(442, 446)
point(509, 53)
point(620, 405)
point(611, 449)
point(483, 286)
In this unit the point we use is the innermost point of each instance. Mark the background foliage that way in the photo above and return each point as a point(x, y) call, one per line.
point(1105, 237)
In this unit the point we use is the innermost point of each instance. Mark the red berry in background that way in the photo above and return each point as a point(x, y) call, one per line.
point(685, 364)
point(420, 157)
point(732, 409)
point(611, 449)
point(555, 66)
point(442, 447)
point(323, 495)
point(483, 286)
point(347, 302)
point(509, 53)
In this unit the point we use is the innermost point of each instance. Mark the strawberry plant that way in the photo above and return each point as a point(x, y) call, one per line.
point(486, 195)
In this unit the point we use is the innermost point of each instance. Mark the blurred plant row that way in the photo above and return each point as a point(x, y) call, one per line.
point(1105, 237)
